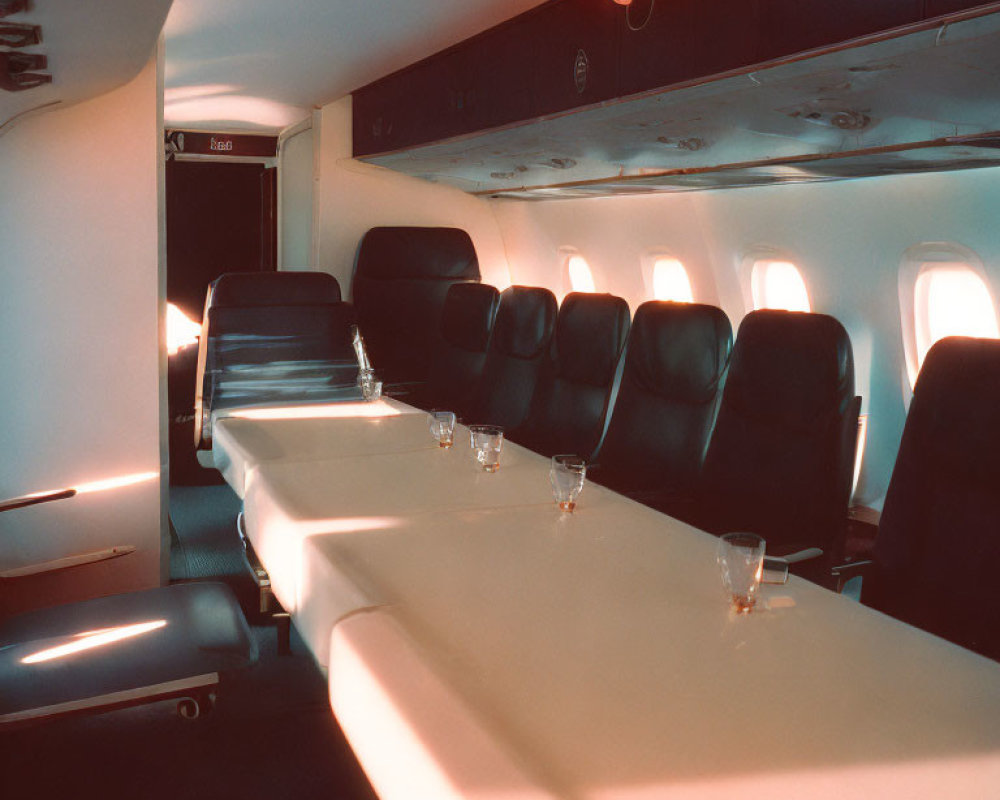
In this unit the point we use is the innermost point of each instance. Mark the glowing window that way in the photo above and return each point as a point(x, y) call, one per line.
point(580, 277)
point(950, 299)
point(778, 284)
point(181, 331)
point(671, 282)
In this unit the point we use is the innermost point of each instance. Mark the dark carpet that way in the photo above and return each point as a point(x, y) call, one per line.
point(271, 735)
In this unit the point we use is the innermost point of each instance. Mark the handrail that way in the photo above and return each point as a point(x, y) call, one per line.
point(35, 499)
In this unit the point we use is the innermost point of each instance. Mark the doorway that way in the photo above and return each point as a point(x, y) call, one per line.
point(221, 217)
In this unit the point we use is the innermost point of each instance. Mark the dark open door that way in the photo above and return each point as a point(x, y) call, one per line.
point(220, 218)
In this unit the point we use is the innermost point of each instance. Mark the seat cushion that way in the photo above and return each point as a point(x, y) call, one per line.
point(570, 403)
point(168, 634)
point(676, 359)
point(400, 283)
point(939, 535)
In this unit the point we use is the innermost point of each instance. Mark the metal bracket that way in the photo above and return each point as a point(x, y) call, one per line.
point(260, 576)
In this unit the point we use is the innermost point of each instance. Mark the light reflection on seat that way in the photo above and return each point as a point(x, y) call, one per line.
point(89, 640)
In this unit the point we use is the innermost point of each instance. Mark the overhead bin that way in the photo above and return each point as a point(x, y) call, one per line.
point(717, 87)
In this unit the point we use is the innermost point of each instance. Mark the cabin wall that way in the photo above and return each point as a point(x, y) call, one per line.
point(352, 197)
point(80, 311)
point(848, 239)
point(295, 165)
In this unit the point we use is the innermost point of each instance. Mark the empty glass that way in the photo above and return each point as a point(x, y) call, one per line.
point(741, 559)
point(443, 427)
point(567, 475)
point(371, 386)
point(486, 441)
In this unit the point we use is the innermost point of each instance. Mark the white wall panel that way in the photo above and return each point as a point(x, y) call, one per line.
point(296, 200)
point(79, 310)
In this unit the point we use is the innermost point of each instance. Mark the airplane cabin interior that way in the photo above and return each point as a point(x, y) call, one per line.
point(500, 399)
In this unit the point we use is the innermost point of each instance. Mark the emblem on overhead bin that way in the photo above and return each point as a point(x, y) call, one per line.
point(581, 69)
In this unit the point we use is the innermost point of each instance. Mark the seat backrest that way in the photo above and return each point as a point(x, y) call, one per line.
point(275, 289)
point(781, 457)
point(400, 282)
point(268, 337)
point(938, 541)
point(518, 349)
point(570, 404)
point(677, 357)
point(467, 319)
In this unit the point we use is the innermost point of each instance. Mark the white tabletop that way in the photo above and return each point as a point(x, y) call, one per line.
point(246, 437)
point(591, 654)
point(599, 648)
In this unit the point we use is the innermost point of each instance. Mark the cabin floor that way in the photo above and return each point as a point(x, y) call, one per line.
point(271, 734)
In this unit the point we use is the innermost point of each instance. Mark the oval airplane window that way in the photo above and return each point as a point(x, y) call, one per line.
point(951, 299)
point(671, 281)
point(779, 285)
point(580, 277)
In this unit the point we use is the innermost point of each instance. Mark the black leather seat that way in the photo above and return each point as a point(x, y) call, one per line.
point(570, 404)
point(938, 543)
point(521, 337)
point(400, 282)
point(677, 357)
point(270, 337)
point(781, 458)
point(467, 319)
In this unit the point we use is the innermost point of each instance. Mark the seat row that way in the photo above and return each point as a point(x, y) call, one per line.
point(771, 452)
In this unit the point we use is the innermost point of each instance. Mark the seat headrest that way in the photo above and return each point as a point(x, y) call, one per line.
point(468, 314)
point(679, 350)
point(590, 334)
point(248, 289)
point(417, 253)
point(525, 321)
point(955, 400)
point(791, 366)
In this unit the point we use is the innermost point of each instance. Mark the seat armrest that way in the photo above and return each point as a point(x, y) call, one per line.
point(842, 573)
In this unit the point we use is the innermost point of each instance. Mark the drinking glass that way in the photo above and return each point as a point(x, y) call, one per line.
point(487, 440)
point(371, 386)
point(741, 559)
point(567, 475)
point(443, 427)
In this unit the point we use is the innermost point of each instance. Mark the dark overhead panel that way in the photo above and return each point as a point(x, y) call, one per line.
point(8, 7)
point(922, 97)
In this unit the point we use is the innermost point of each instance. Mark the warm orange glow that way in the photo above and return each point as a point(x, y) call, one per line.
point(580, 277)
point(859, 453)
point(345, 525)
point(671, 282)
point(413, 735)
point(951, 300)
point(181, 331)
point(378, 408)
point(92, 639)
point(779, 285)
point(115, 483)
point(102, 485)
